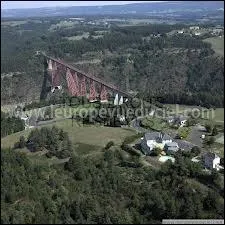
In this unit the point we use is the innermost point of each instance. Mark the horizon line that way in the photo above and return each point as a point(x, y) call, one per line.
point(66, 6)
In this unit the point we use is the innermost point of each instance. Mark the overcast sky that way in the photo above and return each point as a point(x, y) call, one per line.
point(39, 4)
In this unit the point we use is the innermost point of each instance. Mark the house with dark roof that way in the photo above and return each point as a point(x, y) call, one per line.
point(211, 161)
point(171, 148)
point(154, 140)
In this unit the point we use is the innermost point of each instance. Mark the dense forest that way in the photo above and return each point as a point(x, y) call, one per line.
point(55, 140)
point(112, 188)
point(10, 124)
point(179, 68)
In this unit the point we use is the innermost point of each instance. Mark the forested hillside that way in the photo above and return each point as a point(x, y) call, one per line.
point(10, 125)
point(113, 188)
point(179, 68)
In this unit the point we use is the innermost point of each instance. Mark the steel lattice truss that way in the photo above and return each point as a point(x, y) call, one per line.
point(77, 81)
point(72, 83)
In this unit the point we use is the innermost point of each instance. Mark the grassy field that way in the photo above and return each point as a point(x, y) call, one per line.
point(216, 115)
point(138, 22)
point(92, 61)
point(64, 24)
point(11, 107)
point(93, 135)
point(219, 114)
point(154, 123)
point(39, 158)
point(220, 138)
point(13, 23)
point(101, 31)
point(78, 37)
point(68, 111)
point(218, 148)
point(84, 35)
point(98, 36)
point(217, 44)
point(96, 137)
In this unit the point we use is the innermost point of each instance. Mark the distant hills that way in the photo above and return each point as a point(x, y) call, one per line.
point(135, 9)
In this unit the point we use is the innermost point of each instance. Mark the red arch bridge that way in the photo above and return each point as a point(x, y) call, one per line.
point(79, 82)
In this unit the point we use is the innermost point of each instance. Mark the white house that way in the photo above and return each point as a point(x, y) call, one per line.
point(153, 140)
point(197, 33)
point(180, 31)
point(211, 161)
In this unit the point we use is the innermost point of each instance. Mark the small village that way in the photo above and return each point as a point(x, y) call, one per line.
point(160, 146)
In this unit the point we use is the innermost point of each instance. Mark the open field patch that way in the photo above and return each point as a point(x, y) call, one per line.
point(220, 138)
point(93, 135)
point(218, 148)
point(217, 44)
point(85, 149)
point(98, 36)
point(78, 37)
point(153, 123)
point(93, 61)
point(216, 115)
point(89, 135)
point(101, 32)
point(219, 114)
point(13, 23)
point(65, 24)
point(9, 141)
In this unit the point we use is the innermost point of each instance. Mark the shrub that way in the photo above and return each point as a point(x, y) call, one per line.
point(49, 154)
point(210, 140)
point(208, 127)
point(156, 151)
point(195, 150)
point(22, 142)
point(214, 131)
point(222, 161)
point(130, 150)
point(109, 144)
point(191, 122)
point(132, 138)
point(183, 132)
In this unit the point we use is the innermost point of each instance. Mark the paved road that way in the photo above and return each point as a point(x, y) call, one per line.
point(196, 134)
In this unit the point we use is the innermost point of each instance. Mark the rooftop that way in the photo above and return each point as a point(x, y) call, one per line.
point(211, 155)
point(173, 148)
point(157, 135)
point(172, 144)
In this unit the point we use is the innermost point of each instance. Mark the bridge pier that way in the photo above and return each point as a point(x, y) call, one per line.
point(92, 93)
point(103, 94)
